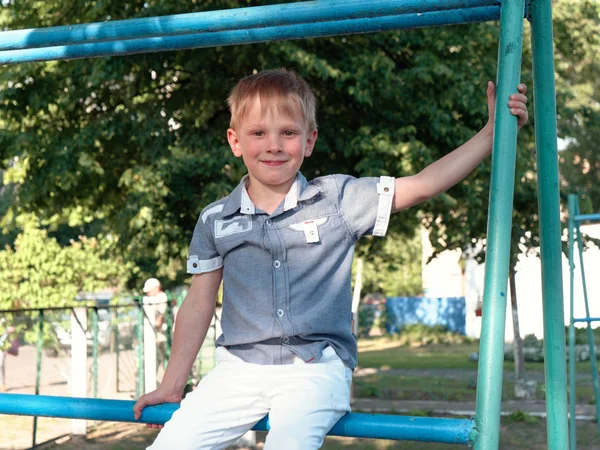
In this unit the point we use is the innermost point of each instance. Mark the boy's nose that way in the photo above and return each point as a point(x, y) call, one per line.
point(274, 145)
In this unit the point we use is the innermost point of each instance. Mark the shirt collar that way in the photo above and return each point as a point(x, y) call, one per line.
point(239, 200)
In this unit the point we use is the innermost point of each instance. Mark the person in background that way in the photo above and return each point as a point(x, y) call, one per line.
point(157, 297)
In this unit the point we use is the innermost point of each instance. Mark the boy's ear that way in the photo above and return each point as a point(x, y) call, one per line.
point(234, 142)
point(311, 139)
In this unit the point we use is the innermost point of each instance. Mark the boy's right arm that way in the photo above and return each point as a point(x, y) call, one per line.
point(193, 319)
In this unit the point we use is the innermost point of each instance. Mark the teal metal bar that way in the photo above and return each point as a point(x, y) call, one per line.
point(38, 369)
point(381, 426)
point(572, 373)
point(550, 228)
point(590, 333)
point(225, 20)
point(490, 370)
point(248, 36)
point(585, 217)
point(587, 319)
point(95, 351)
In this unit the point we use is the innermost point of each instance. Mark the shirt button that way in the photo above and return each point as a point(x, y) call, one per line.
point(277, 264)
point(286, 340)
point(269, 222)
point(280, 312)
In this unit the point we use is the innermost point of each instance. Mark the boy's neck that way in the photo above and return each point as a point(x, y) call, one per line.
point(267, 198)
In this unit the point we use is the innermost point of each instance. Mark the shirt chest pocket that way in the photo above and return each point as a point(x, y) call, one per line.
point(309, 229)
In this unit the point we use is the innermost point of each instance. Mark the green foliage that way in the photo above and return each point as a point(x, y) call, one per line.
point(393, 265)
point(418, 335)
point(38, 272)
point(581, 335)
point(520, 416)
point(577, 43)
point(134, 147)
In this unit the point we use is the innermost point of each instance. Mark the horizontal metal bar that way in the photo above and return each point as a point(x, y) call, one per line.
point(235, 37)
point(236, 18)
point(583, 217)
point(587, 319)
point(425, 429)
point(69, 307)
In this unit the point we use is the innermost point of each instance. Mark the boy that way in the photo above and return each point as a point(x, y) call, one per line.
point(283, 247)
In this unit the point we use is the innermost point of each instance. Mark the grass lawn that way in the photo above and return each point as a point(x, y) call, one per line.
point(386, 352)
point(451, 389)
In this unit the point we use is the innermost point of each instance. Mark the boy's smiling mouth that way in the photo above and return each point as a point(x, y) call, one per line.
point(273, 163)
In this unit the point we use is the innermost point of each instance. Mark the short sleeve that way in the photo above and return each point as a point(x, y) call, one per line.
point(202, 255)
point(366, 203)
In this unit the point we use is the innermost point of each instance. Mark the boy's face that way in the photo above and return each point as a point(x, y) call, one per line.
point(273, 145)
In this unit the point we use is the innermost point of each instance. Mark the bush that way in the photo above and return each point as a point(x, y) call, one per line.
point(581, 337)
point(418, 335)
point(533, 350)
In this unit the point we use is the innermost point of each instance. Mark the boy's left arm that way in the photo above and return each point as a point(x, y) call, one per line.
point(449, 170)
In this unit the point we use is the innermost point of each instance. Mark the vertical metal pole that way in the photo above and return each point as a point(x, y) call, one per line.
point(490, 371)
point(550, 229)
point(572, 374)
point(140, 350)
point(590, 333)
point(38, 371)
point(95, 350)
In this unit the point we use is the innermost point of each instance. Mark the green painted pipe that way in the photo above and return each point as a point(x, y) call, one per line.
point(550, 229)
point(572, 373)
point(490, 370)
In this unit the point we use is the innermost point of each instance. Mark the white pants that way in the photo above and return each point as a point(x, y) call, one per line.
point(303, 400)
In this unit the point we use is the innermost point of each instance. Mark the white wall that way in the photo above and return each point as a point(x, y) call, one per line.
point(442, 277)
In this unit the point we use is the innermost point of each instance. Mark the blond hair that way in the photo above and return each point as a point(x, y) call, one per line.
point(281, 88)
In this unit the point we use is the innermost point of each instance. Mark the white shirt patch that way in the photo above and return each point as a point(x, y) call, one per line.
point(239, 224)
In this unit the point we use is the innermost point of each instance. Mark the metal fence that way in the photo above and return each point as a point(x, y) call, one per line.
point(115, 356)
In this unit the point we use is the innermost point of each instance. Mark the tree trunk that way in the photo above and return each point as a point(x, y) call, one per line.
point(517, 343)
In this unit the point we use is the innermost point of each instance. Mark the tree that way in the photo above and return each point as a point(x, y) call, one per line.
point(135, 146)
point(393, 265)
point(578, 47)
point(578, 91)
point(39, 272)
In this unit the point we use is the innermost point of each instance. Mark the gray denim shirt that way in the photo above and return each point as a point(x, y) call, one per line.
point(287, 276)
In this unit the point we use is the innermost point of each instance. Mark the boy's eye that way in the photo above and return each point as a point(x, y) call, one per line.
point(289, 133)
point(258, 133)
